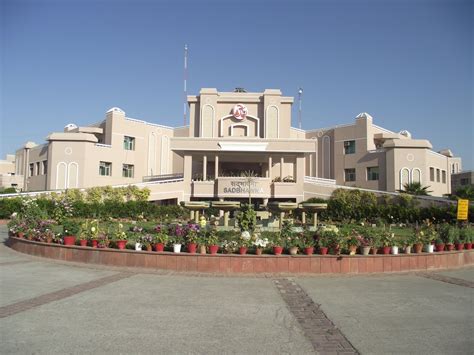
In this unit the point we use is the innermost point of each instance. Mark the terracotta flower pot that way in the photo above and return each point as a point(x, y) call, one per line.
point(243, 250)
point(374, 250)
point(309, 250)
point(468, 246)
point(20, 235)
point(202, 249)
point(69, 240)
point(323, 250)
point(352, 249)
point(192, 248)
point(83, 242)
point(213, 249)
point(277, 250)
point(450, 247)
point(439, 247)
point(121, 244)
point(94, 243)
point(149, 247)
point(259, 251)
point(159, 247)
point(459, 246)
point(418, 248)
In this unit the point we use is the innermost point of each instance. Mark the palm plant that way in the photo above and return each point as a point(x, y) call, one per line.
point(415, 188)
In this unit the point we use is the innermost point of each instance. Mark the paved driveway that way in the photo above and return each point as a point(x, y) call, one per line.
point(51, 307)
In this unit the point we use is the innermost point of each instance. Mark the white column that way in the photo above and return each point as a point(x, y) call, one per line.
point(282, 161)
point(204, 168)
point(216, 167)
point(270, 167)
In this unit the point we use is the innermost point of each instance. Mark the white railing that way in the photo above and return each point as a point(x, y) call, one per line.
point(317, 180)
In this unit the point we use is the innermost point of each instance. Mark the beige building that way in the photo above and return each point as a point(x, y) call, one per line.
point(8, 177)
point(231, 133)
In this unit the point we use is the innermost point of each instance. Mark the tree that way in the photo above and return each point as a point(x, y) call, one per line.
point(465, 192)
point(415, 188)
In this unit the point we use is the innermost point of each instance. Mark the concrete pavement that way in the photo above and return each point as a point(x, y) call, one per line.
point(70, 309)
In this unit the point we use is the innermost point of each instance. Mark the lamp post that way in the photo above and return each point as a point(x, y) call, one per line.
point(300, 93)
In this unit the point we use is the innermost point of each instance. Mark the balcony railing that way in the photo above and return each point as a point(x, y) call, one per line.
point(151, 178)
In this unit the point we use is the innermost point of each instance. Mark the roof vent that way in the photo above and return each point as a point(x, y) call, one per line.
point(116, 109)
point(364, 115)
point(69, 127)
point(405, 133)
point(240, 90)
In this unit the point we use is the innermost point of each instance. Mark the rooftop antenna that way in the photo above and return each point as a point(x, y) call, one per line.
point(300, 93)
point(185, 82)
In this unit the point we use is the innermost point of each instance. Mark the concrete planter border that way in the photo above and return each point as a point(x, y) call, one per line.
point(248, 264)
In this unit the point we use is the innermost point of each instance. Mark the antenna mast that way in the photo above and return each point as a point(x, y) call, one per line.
point(185, 82)
point(300, 92)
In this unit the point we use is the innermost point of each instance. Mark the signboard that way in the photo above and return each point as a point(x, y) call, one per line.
point(463, 206)
point(239, 187)
point(240, 112)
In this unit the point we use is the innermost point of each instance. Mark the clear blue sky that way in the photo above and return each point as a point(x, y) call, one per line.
point(408, 63)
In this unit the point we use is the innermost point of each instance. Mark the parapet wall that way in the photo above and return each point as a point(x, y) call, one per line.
point(248, 264)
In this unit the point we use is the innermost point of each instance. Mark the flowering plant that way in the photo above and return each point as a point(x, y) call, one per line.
point(355, 239)
point(192, 233)
point(146, 240)
point(212, 238)
point(118, 233)
point(162, 238)
point(245, 239)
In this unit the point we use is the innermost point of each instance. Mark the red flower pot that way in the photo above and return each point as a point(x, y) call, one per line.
point(192, 248)
point(323, 250)
point(468, 246)
point(418, 248)
point(277, 250)
point(83, 242)
point(459, 246)
point(94, 243)
point(69, 240)
point(309, 250)
point(439, 247)
point(386, 250)
point(450, 247)
point(242, 250)
point(159, 247)
point(121, 244)
point(213, 249)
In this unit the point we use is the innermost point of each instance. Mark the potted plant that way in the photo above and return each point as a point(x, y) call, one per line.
point(468, 236)
point(70, 230)
point(192, 237)
point(259, 243)
point(119, 236)
point(325, 238)
point(103, 240)
point(352, 242)
point(213, 241)
point(293, 243)
point(419, 237)
point(146, 240)
point(94, 233)
point(439, 244)
point(458, 240)
point(307, 243)
point(395, 242)
point(386, 240)
point(431, 234)
point(83, 234)
point(448, 233)
point(244, 242)
point(161, 239)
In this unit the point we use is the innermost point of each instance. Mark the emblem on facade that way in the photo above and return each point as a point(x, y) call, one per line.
point(240, 111)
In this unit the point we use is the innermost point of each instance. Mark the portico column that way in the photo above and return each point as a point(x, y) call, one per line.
point(204, 168)
point(282, 161)
point(216, 167)
point(303, 217)
point(270, 167)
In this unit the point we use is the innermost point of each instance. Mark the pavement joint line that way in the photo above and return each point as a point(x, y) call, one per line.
point(324, 336)
point(34, 302)
point(447, 279)
point(7, 263)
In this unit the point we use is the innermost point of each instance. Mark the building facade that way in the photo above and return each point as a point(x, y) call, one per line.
point(231, 134)
point(8, 177)
point(461, 180)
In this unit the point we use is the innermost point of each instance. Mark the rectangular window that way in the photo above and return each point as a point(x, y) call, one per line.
point(464, 181)
point(38, 171)
point(437, 175)
point(444, 176)
point(431, 174)
point(32, 169)
point(127, 170)
point(128, 143)
point(349, 147)
point(373, 173)
point(105, 168)
point(45, 167)
point(350, 174)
